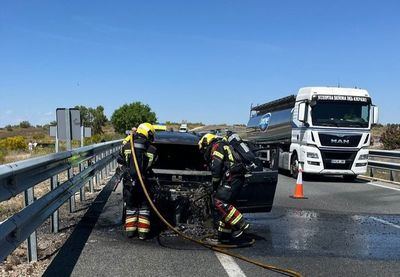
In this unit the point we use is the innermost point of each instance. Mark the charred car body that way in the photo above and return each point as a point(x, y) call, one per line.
point(181, 183)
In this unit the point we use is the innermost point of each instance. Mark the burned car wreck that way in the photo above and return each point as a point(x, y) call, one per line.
point(181, 183)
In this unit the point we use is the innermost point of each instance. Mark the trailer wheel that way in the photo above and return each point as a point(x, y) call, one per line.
point(294, 165)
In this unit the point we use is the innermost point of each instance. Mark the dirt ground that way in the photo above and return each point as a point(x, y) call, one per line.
point(48, 243)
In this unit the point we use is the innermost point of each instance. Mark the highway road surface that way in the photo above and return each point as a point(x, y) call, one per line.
point(342, 229)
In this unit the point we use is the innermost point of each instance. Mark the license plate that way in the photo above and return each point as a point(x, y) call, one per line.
point(338, 161)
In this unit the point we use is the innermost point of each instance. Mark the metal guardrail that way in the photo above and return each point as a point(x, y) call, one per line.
point(388, 166)
point(94, 162)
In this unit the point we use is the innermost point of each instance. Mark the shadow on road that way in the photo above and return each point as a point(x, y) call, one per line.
point(66, 259)
point(324, 178)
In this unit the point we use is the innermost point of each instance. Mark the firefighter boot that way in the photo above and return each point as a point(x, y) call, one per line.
point(239, 228)
point(224, 233)
point(131, 219)
point(144, 223)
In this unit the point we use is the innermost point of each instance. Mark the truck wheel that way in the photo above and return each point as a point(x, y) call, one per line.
point(350, 178)
point(294, 166)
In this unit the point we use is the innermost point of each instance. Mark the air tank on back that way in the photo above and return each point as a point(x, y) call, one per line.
point(271, 123)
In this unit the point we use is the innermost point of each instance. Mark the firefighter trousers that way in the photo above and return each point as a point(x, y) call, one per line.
point(227, 217)
point(137, 216)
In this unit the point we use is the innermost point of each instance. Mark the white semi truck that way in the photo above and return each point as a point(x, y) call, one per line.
point(325, 129)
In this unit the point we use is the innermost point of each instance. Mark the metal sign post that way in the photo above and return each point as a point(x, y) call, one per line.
point(68, 128)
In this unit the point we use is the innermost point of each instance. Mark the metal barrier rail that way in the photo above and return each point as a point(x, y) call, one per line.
point(389, 166)
point(94, 162)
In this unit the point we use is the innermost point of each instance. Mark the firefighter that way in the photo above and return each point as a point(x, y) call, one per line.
point(137, 215)
point(228, 179)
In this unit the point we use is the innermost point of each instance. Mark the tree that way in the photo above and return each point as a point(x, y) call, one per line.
point(130, 115)
point(98, 119)
point(93, 117)
point(24, 124)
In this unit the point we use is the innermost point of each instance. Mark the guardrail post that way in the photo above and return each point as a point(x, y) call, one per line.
point(102, 170)
point(115, 160)
point(91, 179)
point(82, 190)
point(107, 167)
point(31, 241)
point(97, 173)
point(72, 204)
point(371, 173)
point(54, 217)
point(391, 175)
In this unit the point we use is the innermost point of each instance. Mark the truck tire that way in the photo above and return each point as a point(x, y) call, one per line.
point(294, 165)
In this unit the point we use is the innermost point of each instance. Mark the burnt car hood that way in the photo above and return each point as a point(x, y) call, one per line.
point(176, 138)
point(180, 159)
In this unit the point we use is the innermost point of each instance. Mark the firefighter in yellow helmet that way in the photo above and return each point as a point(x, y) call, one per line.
point(228, 179)
point(137, 212)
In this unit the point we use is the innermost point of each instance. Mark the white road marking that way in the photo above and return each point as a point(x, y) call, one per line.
point(230, 266)
point(382, 186)
point(385, 222)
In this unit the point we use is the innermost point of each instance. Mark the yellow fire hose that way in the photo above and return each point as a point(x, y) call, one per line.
point(283, 271)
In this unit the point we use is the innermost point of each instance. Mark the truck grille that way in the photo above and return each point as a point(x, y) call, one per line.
point(337, 159)
point(339, 140)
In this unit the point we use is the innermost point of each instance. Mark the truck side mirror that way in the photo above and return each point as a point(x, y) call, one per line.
point(375, 114)
point(302, 112)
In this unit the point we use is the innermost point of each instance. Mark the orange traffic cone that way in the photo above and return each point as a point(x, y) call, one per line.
point(298, 190)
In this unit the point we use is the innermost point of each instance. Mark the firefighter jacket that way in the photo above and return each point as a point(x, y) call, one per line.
point(224, 164)
point(145, 155)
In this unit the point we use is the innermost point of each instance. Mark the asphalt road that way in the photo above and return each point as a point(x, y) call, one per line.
point(342, 229)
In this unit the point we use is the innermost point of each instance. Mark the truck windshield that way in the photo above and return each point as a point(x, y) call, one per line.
point(340, 114)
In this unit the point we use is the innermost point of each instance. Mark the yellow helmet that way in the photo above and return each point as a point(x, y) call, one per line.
point(206, 140)
point(147, 130)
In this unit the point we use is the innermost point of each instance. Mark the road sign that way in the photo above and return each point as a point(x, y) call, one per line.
point(53, 131)
point(75, 122)
point(87, 132)
point(68, 124)
point(61, 117)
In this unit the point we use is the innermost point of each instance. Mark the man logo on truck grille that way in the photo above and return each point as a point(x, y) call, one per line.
point(340, 141)
point(264, 122)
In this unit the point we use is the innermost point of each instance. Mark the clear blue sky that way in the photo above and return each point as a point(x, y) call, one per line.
point(196, 60)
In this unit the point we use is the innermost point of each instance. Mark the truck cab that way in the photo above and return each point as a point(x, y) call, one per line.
point(331, 132)
point(183, 128)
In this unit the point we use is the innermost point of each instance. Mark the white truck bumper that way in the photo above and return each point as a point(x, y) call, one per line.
point(315, 165)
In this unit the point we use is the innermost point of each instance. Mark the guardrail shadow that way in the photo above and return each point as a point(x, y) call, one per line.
point(64, 262)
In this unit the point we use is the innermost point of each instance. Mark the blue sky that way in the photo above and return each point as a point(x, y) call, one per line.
point(196, 60)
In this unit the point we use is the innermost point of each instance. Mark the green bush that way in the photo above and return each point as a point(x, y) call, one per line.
point(9, 128)
point(101, 137)
point(25, 124)
point(13, 143)
point(38, 136)
point(390, 138)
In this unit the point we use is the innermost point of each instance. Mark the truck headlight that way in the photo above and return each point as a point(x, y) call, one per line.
point(363, 157)
point(312, 155)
